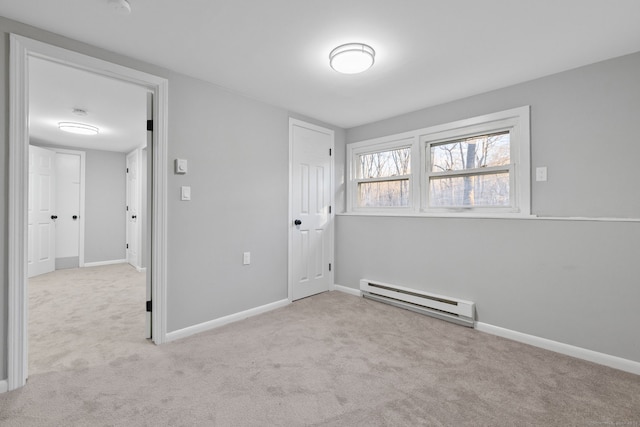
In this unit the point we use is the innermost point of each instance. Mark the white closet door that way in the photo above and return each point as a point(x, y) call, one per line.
point(133, 209)
point(68, 205)
point(311, 200)
point(41, 233)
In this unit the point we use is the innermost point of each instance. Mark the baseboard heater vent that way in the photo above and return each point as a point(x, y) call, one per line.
point(445, 308)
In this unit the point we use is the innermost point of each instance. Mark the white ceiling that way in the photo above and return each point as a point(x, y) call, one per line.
point(117, 108)
point(428, 51)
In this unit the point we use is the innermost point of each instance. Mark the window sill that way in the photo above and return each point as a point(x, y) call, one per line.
point(512, 216)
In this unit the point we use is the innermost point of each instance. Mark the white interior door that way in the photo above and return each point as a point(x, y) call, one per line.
point(133, 209)
point(311, 225)
point(68, 208)
point(147, 184)
point(41, 233)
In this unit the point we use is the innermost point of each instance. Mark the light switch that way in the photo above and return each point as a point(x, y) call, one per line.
point(246, 258)
point(185, 193)
point(541, 173)
point(181, 166)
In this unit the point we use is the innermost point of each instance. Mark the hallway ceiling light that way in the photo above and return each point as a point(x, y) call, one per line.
point(352, 58)
point(79, 128)
point(121, 7)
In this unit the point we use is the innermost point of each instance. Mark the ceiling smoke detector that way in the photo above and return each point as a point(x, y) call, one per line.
point(121, 7)
point(79, 112)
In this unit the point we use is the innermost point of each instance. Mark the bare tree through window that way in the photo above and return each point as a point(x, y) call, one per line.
point(467, 171)
point(384, 178)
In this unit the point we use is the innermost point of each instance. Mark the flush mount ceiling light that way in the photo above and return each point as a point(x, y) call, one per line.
point(352, 58)
point(121, 7)
point(79, 128)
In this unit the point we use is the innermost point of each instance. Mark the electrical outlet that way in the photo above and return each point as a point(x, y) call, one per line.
point(541, 173)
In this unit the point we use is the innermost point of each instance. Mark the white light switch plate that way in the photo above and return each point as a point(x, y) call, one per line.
point(246, 258)
point(185, 193)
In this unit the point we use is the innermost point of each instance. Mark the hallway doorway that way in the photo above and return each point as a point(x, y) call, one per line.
point(23, 52)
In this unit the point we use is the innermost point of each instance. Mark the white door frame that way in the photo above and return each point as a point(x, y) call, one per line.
point(295, 122)
point(83, 156)
point(21, 49)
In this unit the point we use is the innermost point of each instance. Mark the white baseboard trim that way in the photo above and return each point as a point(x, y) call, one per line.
point(4, 386)
point(99, 263)
point(566, 349)
point(216, 323)
point(347, 290)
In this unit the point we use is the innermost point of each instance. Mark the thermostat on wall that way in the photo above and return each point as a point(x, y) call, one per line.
point(181, 166)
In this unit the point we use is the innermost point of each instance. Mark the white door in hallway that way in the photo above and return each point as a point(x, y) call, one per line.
point(133, 209)
point(68, 207)
point(41, 217)
point(146, 159)
point(311, 226)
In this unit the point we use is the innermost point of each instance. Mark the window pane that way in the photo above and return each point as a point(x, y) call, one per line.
point(470, 153)
point(468, 191)
point(385, 163)
point(383, 194)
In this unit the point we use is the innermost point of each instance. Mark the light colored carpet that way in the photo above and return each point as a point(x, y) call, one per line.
point(332, 360)
point(85, 317)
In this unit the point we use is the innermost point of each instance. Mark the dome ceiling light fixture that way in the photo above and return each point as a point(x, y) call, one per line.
point(352, 58)
point(121, 7)
point(78, 128)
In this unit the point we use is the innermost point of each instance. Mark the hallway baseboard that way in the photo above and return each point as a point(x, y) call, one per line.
point(99, 263)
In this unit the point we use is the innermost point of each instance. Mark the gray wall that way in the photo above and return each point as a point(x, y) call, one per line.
point(105, 201)
point(238, 151)
point(571, 281)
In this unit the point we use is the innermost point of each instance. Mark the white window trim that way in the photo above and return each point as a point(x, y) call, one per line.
point(515, 120)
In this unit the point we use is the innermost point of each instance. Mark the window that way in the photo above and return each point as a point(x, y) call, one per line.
point(470, 172)
point(383, 178)
point(382, 175)
point(473, 166)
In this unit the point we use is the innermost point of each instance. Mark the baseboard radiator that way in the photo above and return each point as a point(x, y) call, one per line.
point(445, 308)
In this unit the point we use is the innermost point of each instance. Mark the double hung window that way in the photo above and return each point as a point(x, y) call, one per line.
point(473, 166)
point(382, 175)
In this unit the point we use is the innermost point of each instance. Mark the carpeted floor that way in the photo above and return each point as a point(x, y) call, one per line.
point(85, 317)
point(331, 360)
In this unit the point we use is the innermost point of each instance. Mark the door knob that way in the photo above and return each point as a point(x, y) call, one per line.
point(75, 217)
point(54, 216)
point(134, 216)
point(297, 222)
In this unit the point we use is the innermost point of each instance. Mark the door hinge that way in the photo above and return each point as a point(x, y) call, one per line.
point(150, 125)
point(329, 151)
point(127, 208)
point(329, 266)
point(127, 246)
point(127, 170)
point(149, 306)
point(329, 209)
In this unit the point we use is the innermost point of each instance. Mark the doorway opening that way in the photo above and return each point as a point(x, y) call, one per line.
point(86, 259)
point(25, 52)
